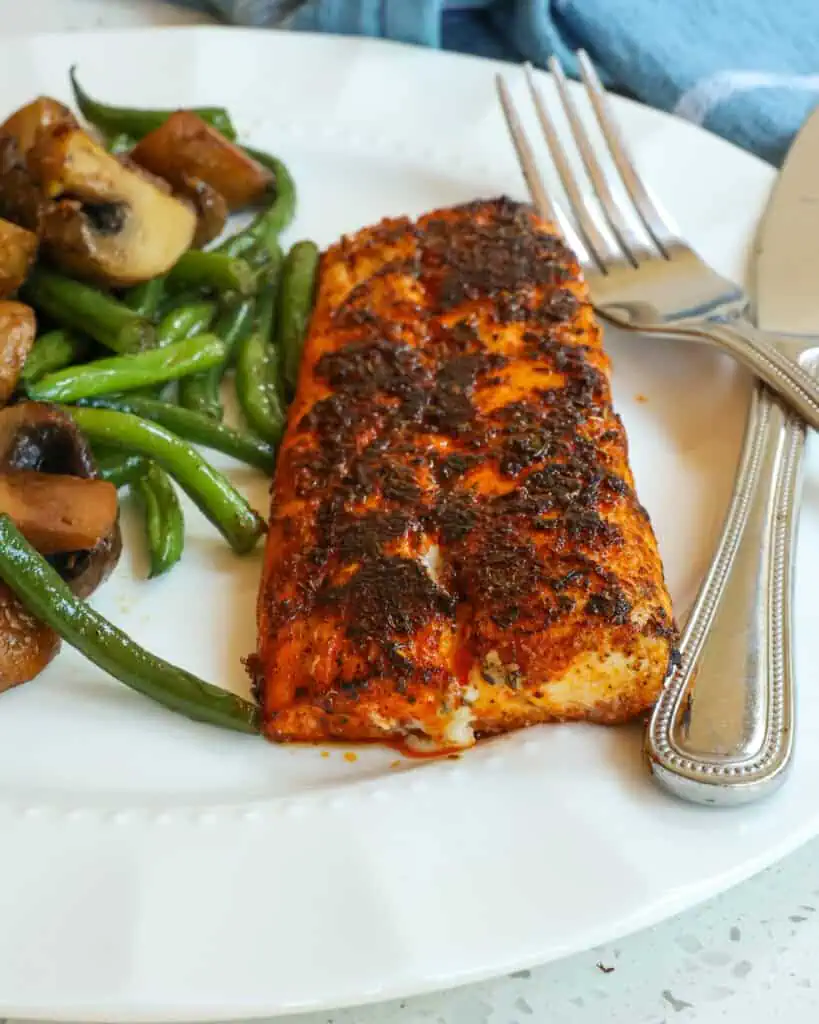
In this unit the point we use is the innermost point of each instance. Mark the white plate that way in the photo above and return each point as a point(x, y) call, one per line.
point(156, 869)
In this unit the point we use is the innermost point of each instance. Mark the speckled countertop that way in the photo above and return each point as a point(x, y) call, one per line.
point(749, 955)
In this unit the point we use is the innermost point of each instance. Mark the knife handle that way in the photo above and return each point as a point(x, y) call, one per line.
point(721, 732)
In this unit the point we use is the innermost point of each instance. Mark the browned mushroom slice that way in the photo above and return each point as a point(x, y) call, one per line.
point(25, 123)
point(84, 571)
point(18, 329)
point(186, 146)
point(211, 209)
point(40, 437)
point(106, 222)
point(18, 248)
point(56, 512)
point(20, 199)
point(26, 645)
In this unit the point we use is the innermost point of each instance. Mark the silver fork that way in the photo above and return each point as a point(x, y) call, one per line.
point(734, 741)
point(642, 274)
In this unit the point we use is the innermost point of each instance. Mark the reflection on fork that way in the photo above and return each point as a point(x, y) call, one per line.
point(730, 740)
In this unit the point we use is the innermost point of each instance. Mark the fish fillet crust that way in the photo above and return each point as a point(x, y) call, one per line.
point(455, 545)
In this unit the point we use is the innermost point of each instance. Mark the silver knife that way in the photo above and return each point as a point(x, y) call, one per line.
point(727, 736)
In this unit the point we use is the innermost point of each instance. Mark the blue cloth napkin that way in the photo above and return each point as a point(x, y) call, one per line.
point(746, 69)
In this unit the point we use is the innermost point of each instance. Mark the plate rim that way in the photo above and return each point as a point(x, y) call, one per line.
point(121, 821)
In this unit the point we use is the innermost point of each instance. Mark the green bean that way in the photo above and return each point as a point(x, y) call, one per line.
point(296, 294)
point(157, 391)
point(125, 373)
point(137, 123)
point(164, 519)
point(257, 373)
point(83, 308)
point(53, 351)
point(186, 297)
point(234, 323)
point(194, 427)
point(200, 392)
point(119, 468)
point(215, 271)
point(281, 211)
point(49, 599)
point(120, 142)
point(270, 222)
point(180, 322)
point(210, 491)
point(238, 245)
point(185, 322)
point(145, 298)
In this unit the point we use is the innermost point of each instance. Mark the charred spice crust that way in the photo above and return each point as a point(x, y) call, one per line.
point(401, 393)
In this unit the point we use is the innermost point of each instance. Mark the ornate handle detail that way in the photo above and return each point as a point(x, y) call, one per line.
point(757, 351)
point(722, 729)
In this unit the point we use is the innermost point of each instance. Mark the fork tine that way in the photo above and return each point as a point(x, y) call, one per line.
point(630, 242)
point(657, 226)
point(597, 235)
point(526, 157)
point(543, 204)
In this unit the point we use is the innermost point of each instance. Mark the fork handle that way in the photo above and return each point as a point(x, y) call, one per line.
point(779, 371)
point(722, 729)
point(758, 352)
point(798, 388)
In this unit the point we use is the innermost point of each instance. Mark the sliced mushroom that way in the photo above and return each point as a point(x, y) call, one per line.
point(58, 513)
point(41, 438)
point(106, 222)
point(18, 329)
point(25, 124)
point(211, 209)
point(26, 645)
point(186, 146)
point(84, 571)
point(18, 248)
point(20, 199)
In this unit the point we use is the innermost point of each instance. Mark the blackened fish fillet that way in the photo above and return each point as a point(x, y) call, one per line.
point(455, 545)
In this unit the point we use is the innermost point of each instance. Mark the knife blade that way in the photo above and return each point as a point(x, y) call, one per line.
point(786, 265)
point(728, 737)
